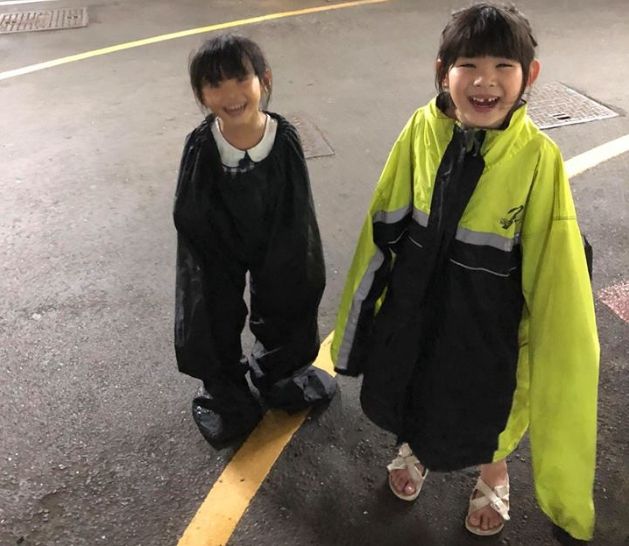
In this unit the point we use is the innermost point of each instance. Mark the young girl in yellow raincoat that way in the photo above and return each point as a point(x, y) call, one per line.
point(468, 306)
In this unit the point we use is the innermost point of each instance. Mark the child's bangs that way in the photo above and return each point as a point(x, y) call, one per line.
point(495, 38)
point(231, 63)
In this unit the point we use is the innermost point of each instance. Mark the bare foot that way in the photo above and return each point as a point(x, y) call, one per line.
point(406, 474)
point(402, 482)
point(493, 474)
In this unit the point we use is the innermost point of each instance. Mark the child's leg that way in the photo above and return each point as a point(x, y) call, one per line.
point(284, 321)
point(210, 316)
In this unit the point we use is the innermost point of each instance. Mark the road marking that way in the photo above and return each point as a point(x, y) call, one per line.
point(617, 299)
point(16, 2)
point(587, 160)
point(181, 34)
point(230, 495)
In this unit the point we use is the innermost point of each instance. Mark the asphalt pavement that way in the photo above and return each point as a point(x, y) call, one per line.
point(97, 445)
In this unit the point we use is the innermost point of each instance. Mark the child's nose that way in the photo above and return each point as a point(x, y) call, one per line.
point(485, 77)
point(231, 89)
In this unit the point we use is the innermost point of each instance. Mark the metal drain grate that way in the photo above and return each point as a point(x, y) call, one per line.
point(312, 140)
point(555, 105)
point(50, 19)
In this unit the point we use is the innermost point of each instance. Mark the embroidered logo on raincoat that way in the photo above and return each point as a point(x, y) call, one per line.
point(513, 216)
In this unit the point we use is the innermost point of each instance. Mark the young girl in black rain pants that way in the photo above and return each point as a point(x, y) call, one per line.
point(243, 204)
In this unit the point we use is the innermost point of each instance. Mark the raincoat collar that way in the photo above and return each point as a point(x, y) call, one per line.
point(499, 144)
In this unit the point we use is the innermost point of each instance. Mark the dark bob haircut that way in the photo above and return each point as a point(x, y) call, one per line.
point(486, 30)
point(225, 57)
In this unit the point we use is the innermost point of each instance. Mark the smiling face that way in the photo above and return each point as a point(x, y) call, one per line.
point(236, 101)
point(484, 90)
point(486, 57)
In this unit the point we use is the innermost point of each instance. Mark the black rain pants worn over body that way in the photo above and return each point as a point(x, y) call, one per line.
point(261, 222)
point(427, 398)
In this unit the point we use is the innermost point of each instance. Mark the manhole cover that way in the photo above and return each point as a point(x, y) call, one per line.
point(311, 138)
point(50, 19)
point(555, 105)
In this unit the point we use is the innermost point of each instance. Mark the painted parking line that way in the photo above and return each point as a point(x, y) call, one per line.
point(587, 160)
point(181, 34)
point(228, 499)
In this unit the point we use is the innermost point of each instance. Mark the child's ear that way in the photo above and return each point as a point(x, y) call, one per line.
point(534, 70)
point(267, 80)
point(438, 68)
point(201, 98)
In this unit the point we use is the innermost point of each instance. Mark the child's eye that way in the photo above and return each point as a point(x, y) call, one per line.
point(506, 63)
point(467, 65)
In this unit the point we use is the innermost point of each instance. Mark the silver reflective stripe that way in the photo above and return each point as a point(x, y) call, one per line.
point(415, 242)
point(354, 312)
point(486, 239)
point(393, 216)
point(420, 217)
point(387, 217)
point(483, 269)
point(390, 217)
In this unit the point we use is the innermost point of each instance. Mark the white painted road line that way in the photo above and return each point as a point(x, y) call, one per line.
point(587, 160)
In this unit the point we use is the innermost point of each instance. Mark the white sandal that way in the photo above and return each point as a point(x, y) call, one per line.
point(497, 498)
point(405, 460)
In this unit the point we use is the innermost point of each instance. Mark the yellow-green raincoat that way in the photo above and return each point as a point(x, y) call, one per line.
point(469, 310)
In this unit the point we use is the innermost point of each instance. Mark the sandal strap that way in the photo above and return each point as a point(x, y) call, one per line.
point(407, 461)
point(496, 498)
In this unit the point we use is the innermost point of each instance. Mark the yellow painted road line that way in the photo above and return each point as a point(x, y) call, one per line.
point(228, 499)
point(587, 160)
point(181, 34)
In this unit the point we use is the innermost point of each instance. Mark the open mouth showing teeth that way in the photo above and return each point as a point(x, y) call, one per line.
point(484, 102)
point(235, 109)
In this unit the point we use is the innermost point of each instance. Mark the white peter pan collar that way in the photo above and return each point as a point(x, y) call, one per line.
point(231, 156)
